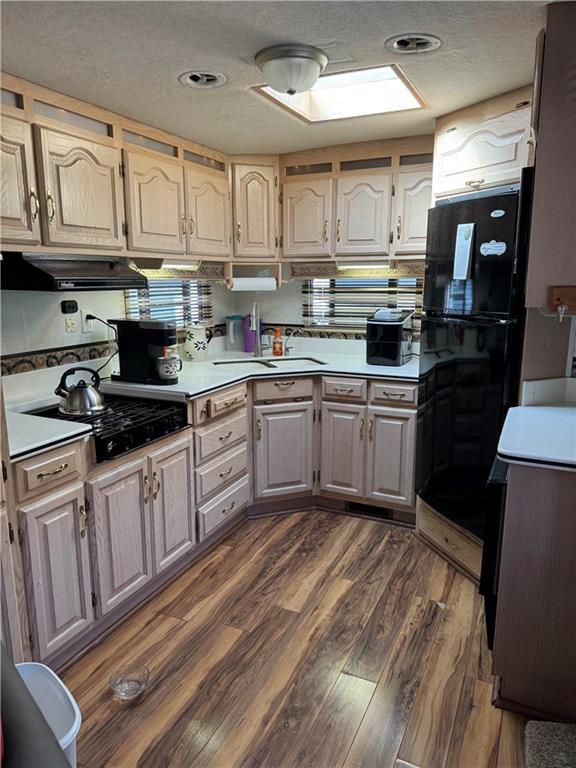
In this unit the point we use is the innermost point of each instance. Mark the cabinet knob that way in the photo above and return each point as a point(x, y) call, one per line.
point(155, 485)
point(34, 205)
point(338, 236)
point(192, 226)
point(371, 430)
point(238, 232)
point(325, 231)
point(362, 422)
point(258, 429)
point(147, 489)
point(83, 521)
point(51, 207)
point(398, 227)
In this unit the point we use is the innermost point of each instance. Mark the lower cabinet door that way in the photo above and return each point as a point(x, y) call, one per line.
point(121, 537)
point(173, 511)
point(390, 458)
point(283, 449)
point(343, 435)
point(58, 568)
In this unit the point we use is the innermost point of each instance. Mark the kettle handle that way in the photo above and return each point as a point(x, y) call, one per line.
point(63, 390)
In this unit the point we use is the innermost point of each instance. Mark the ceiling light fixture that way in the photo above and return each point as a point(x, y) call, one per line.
point(291, 68)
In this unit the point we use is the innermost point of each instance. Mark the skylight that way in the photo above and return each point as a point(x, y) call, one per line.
point(351, 94)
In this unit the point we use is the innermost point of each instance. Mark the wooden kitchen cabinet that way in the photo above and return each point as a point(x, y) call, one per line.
point(308, 217)
point(171, 474)
point(363, 214)
point(19, 203)
point(473, 152)
point(390, 455)
point(283, 449)
point(254, 229)
point(119, 502)
point(413, 199)
point(9, 618)
point(156, 215)
point(342, 449)
point(80, 191)
point(208, 213)
point(58, 566)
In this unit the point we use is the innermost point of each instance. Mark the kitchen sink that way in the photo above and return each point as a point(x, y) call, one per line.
point(298, 362)
point(247, 365)
point(275, 362)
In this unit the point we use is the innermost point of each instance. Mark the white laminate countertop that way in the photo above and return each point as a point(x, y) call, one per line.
point(28, 433)
point(198, 378)
point(541, 435)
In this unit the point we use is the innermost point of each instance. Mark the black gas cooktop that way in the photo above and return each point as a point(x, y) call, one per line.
point(127, 423)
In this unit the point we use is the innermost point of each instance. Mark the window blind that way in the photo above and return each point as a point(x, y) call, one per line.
point(185, 301)
point(347, 302)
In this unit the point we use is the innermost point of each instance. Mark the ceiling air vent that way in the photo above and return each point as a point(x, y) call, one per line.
point(413, 43)
point(199, 79)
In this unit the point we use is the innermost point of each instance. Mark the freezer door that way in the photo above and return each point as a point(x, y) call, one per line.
point(470, 257)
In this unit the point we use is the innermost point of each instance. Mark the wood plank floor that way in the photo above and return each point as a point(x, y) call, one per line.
point(312, 639)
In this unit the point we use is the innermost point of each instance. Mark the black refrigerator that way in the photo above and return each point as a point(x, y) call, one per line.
point(470, 346)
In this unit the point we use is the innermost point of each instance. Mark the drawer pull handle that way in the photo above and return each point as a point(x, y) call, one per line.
point(52, 472)
point(284, 383)
point(83, 521)
point(228, 403)
point(362, 429)
point(228, 508)
point(347, 390)
point(226, 436)
point(147, 489)
point(394, 395)
point(228, 471)
point(474, 182)
point(155, 485)
point(371, 430)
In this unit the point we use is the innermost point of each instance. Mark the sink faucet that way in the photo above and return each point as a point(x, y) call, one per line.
point(292, 332)
point(255, 326)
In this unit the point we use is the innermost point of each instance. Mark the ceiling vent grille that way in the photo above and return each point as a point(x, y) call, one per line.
point(200, 79)
point(413, 43)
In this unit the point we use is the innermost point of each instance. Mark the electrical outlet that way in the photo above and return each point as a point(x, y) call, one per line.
point(87, 325)
point(70, 324)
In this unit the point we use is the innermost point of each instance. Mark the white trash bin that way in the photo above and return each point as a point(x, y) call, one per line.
point(56, 704)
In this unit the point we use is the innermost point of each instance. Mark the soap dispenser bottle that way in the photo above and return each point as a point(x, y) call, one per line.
point(277, 345)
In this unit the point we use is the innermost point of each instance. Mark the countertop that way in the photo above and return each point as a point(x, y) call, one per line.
point(198, 378)
point(543, 435)
point(30, 433)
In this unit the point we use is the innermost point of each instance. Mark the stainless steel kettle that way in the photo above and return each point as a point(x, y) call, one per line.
point(82, 399)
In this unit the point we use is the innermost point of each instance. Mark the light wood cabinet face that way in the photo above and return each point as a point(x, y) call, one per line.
point(342, 448)
point(390, 458)
point(81, 192)
point(486, 154)
point(283, 449)
point(58, 564)
point(155, 204)
point(254, 211)
point(308, 218)
point(363, 214)
point(121, 532)
point(208, 209)
point(172, 504)
point(10, 620)
point(19, 204)
point(413, 200)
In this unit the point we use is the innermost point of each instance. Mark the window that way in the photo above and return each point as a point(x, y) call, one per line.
point(347, 302)
point(186, 301)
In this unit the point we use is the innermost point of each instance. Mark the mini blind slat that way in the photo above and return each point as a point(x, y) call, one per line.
point(185, 301)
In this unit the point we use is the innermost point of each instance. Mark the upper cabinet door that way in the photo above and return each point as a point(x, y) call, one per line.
point(155, 204)
point(119, 503)
point(363, 214)
point(81, 193)
point(173, 512)
point(283, 449)
point(390, 458)
point(59, 586)
point(308, 218)
point(208, 209)
point(254, 211)
point(19, 204)
point(484, 154)
point(413, 200)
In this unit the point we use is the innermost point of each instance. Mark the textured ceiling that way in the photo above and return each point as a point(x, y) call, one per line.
point(126, 56)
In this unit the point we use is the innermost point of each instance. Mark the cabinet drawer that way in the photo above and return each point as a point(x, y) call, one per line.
point(48, 470)
point(218, 473)
point(218, 403)
point(344, 389)
point(224, 506)
point(403, 394)
point(283, 389)
point(215, 438)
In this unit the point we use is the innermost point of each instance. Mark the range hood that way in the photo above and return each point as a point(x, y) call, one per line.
point(64, 272)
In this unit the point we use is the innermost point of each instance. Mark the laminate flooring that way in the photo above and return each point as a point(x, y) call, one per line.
point(311, 639)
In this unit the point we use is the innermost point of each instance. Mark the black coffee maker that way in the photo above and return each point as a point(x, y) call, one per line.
point(389, 337)
point(148, 351)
